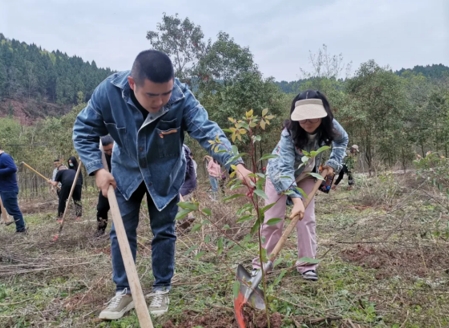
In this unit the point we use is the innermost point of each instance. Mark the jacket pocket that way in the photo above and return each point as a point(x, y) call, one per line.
point(168, 138)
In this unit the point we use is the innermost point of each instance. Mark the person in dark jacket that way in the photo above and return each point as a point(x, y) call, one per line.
point(66, 176)
point(9, 190)
point(72, 164)
point(103, 203)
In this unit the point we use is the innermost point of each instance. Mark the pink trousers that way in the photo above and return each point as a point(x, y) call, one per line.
point(305, 229)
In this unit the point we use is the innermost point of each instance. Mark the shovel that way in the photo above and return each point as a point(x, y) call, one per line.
point(248, 289)
point(125, 250)
point(39, 174)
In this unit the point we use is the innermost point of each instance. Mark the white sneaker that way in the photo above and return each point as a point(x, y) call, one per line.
point(159, 302)
point(118, 306)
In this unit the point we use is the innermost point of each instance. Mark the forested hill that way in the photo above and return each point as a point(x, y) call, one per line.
point(431, 72)
point(43, 81)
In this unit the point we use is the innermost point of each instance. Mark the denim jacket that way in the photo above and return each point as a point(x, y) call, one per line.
point(283, 169)
point(150, 150)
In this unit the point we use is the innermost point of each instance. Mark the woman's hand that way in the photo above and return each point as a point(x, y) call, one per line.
point(298, 208)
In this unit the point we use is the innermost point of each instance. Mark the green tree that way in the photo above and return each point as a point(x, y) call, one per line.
point(375, 112)
point(182, 40)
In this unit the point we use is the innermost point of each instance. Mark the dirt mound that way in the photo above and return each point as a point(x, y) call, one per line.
point(220, 318)
point(398, 260)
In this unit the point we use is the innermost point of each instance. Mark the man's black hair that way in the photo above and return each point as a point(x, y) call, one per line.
point(152, 65)
point(56, 160)
point(107, 140)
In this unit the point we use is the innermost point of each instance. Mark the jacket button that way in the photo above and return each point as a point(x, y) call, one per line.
point(141, 149)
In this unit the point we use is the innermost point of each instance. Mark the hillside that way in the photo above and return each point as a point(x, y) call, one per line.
point(37, 83)
point(431, 72)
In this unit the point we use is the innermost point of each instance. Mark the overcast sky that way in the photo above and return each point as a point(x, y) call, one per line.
point(279, 33)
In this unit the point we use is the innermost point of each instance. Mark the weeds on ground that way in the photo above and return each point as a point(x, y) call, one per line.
point(382, 266)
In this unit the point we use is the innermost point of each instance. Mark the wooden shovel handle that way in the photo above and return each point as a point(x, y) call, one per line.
point(295, 220)
point(127, 257)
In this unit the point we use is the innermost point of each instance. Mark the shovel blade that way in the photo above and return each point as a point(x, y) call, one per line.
point(248, 291)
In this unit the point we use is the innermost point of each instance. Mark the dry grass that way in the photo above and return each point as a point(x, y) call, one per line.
point(383, 247)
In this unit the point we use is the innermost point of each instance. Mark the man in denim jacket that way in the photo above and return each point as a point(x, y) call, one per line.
point(146, 111)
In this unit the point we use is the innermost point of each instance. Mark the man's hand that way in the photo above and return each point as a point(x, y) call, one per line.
point(53, 183)
point(298, 208)
point(104, 179)
point(243, 174)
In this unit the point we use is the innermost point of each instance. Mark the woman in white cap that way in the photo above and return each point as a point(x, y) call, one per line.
point(311, 126)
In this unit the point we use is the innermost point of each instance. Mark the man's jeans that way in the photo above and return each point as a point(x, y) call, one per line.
point(9, 199)
point(163, 243)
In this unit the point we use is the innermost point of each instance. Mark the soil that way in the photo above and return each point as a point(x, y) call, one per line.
point(30, 207)
point(400, 261)
point(217, 318)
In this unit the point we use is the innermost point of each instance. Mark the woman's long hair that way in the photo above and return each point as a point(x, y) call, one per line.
point(325, 131)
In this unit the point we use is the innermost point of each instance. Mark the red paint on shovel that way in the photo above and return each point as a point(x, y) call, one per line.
point(238, 309)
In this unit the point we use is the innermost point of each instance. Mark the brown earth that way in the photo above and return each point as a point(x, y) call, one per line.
point(391, 261)
point(218, 318)
point(26, 111)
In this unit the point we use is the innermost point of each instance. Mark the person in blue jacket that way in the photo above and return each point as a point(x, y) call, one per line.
point(9, 190)
point(146, 111)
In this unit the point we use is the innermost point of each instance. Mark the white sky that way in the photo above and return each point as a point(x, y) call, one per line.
point(279, 33)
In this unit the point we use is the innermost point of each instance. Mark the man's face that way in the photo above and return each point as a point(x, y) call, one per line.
point(152, 96)
point(108, 149)
point(56, 164)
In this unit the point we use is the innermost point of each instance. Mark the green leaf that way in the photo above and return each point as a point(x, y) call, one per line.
point(244, 218)
point(196, 227)
point(245, 208)
point(304, 159)
point(273, 221)
point(206, 211)
point(255, 227)
point(267, 207)
point(279, 277)
point(263, 252)
point(236, 288)
point(182, 214)
point(260, 193)
point(191, 249)
point(267, 156)
point(322, 148)
point(309, 260)
point(220, 245)
point(264, 111)
point(260, 184)
point(228, 198)
point(201, 253)
point(277, 261)
point(188, 205)
point(317, 176)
